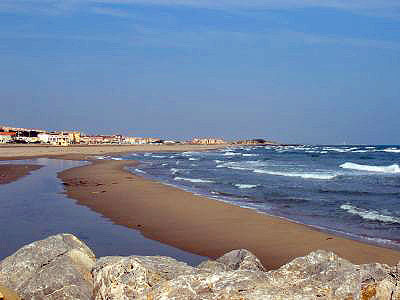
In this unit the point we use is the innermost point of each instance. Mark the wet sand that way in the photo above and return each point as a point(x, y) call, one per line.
point(10, 173)
point(201, 225)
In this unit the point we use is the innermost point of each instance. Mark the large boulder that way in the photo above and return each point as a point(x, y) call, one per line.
point(62, 267)
point(241, 259)
point(58, 267)
point(128, 277)
point(319, 275)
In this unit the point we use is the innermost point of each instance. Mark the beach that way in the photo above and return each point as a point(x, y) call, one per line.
point(196, 224)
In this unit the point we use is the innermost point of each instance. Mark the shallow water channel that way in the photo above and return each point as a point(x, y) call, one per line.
point(35, 207)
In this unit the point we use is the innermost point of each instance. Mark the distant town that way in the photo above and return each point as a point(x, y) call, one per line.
point(13, 135)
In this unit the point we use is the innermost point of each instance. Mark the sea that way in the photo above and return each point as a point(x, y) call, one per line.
point(348, 190)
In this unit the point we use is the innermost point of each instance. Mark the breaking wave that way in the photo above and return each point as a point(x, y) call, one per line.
point(393, 169)
point(245, 186)
point(392, 150)
point(372, 215)
point(194, 180)
point(302, 175)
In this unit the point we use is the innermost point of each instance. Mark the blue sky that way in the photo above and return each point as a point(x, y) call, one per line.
point(303, 71)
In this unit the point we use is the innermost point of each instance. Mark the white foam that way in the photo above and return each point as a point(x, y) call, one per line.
point(140, 171)
point(245, 186)
point(360, 151)
point(192, 158)
point(159, 156)
point(369, 214)
point(393, 169)
point(392, 150)
point(301, 175)
point(174, 170)
point(231, 153)
point(116, 158)
point(194, 180)
point(245, 154)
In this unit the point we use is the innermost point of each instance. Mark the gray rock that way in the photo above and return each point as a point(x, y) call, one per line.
point(62, 267)
point(129, 277)
point(58, 267)
point(319, 275)
point(241, 259)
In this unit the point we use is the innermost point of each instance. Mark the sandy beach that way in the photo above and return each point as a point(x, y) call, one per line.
point(200, 225)
point(192, 223)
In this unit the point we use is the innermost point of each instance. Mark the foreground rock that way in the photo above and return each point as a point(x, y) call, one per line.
point(130, 277)
point(62, 267)
point(58, 267)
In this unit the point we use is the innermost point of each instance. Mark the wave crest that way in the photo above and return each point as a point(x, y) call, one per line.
point(369, 214)
point(393, 169)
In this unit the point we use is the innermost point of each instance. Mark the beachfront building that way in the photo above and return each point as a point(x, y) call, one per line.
point(6, 137)
point(74, 137)
point(21, 135)
point(207, 141)
point(255, 142)
point(56, 138)
point(140, 140)
point(101, 139)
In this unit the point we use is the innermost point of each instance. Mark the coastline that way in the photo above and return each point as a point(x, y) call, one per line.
point(196, 224)
point(200, 225)
point(84, 152)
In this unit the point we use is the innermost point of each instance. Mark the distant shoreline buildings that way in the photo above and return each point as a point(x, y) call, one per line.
point(14, 135)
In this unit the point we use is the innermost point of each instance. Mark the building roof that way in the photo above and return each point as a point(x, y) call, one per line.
point(8, 133)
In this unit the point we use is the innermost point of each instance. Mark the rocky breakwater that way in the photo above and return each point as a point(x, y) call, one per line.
point(63, 267)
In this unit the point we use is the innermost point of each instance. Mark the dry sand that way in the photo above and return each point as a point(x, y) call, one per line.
point(201, 225)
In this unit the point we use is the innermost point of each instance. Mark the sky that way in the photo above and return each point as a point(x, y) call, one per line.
point(294, 71)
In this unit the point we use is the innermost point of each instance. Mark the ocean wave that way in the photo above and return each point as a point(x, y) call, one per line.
point(392, 150)
point(249, 154)
point(116, 158)
point(231, 153)
point(393, 169)
point(174, 170)
point(140, 171)
point(319, 176)
point(192, 158)
point(159, 156)
point(194, 180)
point(372, 215)
point(246, 186)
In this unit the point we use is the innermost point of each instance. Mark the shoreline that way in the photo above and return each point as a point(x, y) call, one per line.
point(196, 224)
point(84, 152)
point(201, 225)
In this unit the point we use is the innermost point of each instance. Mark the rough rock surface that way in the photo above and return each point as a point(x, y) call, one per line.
point(129, 277)
point(58, 267)
point(319, 275)
point(62, 267)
